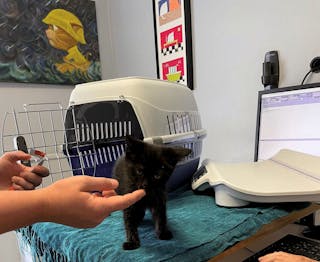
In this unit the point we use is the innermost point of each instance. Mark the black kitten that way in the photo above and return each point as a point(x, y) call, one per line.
point(146, 166)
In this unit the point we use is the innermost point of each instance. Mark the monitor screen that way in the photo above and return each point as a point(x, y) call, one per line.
point(289, 118)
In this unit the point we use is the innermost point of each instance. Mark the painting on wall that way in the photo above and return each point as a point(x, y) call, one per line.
point(172, 21)
point(49, 41)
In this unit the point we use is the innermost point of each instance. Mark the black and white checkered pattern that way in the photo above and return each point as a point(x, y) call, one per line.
point(172, 49)
point(182, 80)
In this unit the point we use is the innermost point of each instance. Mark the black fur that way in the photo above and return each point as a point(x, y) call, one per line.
point(146, 166)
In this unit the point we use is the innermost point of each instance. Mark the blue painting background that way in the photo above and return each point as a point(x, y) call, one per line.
point(25, 53)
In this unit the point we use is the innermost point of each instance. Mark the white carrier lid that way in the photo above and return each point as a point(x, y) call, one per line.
point(161, 94)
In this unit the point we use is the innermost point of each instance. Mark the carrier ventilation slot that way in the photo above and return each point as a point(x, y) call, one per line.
point(103, 130)
point(108, 139)
point(183, 122)
point(186, 122)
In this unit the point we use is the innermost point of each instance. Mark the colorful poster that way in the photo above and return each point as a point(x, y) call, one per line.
point(54, 42)
point(173, 38)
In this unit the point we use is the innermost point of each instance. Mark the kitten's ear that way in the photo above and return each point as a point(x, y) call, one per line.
point(175, 154)
point(130, 140)
point(135, 147)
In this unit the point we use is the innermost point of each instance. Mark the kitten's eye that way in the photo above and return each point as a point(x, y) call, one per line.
point(157, 176)
point(139, 171)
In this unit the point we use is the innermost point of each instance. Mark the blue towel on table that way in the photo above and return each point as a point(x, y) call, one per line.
point(200, 230)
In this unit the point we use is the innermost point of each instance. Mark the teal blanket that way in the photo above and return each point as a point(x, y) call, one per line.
point(200, 228)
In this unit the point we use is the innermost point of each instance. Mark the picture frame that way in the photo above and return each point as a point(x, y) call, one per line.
point(173, 41)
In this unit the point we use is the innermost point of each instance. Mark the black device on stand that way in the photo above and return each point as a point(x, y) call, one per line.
point(270, 70)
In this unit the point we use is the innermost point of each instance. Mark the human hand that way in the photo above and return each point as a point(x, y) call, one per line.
point(284, 257)
point(17, 176)
point(70, 201)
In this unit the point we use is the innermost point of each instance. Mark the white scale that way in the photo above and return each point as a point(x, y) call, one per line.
point(289, 176)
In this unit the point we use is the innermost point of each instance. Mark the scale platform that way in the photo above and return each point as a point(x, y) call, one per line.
point(288, 176)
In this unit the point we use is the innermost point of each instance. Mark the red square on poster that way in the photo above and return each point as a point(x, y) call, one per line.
point(171, 37)
point(173, 70)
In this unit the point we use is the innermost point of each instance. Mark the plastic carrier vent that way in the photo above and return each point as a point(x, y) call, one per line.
point(99, 139)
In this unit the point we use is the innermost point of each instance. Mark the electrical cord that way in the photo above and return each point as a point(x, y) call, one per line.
point(310, 71)
point(314, 67)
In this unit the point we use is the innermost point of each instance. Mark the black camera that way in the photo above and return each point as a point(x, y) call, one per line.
point(270, 70)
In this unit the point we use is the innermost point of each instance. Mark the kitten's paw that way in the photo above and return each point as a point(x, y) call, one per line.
point(130, 245)
point(165, 235)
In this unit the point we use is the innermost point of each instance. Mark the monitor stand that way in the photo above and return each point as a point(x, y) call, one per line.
point(312, 225)
point(312, 232)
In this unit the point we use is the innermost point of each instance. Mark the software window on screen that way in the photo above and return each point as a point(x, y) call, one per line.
point(289, 119)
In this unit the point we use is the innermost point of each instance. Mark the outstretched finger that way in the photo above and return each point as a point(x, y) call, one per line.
point(98, 183)
point(124, 201)
point(109, 193)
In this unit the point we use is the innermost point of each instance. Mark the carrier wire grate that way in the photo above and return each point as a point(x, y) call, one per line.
point(43, 128)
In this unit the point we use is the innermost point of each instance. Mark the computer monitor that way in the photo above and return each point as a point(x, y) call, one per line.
point(289, 118)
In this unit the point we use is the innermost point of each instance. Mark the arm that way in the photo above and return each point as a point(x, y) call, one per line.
point(18, 209)
point(284, 257)
point(69, 201)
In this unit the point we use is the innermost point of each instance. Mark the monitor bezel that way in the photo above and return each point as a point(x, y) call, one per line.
point(271, 91)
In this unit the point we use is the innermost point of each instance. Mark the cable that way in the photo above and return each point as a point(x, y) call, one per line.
point(314, 67)
point(310, 71)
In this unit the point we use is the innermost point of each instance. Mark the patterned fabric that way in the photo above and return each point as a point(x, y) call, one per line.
point(201, 230)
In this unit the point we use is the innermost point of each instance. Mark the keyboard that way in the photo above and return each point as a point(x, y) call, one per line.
point(291, 244)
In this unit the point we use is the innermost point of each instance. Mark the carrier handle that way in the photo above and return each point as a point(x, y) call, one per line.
point(191, 136)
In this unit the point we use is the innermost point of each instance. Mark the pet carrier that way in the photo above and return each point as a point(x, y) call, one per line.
point(89, 136)
point(155, 111)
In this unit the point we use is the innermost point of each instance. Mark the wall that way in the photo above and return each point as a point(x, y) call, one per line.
point(229, 42)
point(132, 38)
